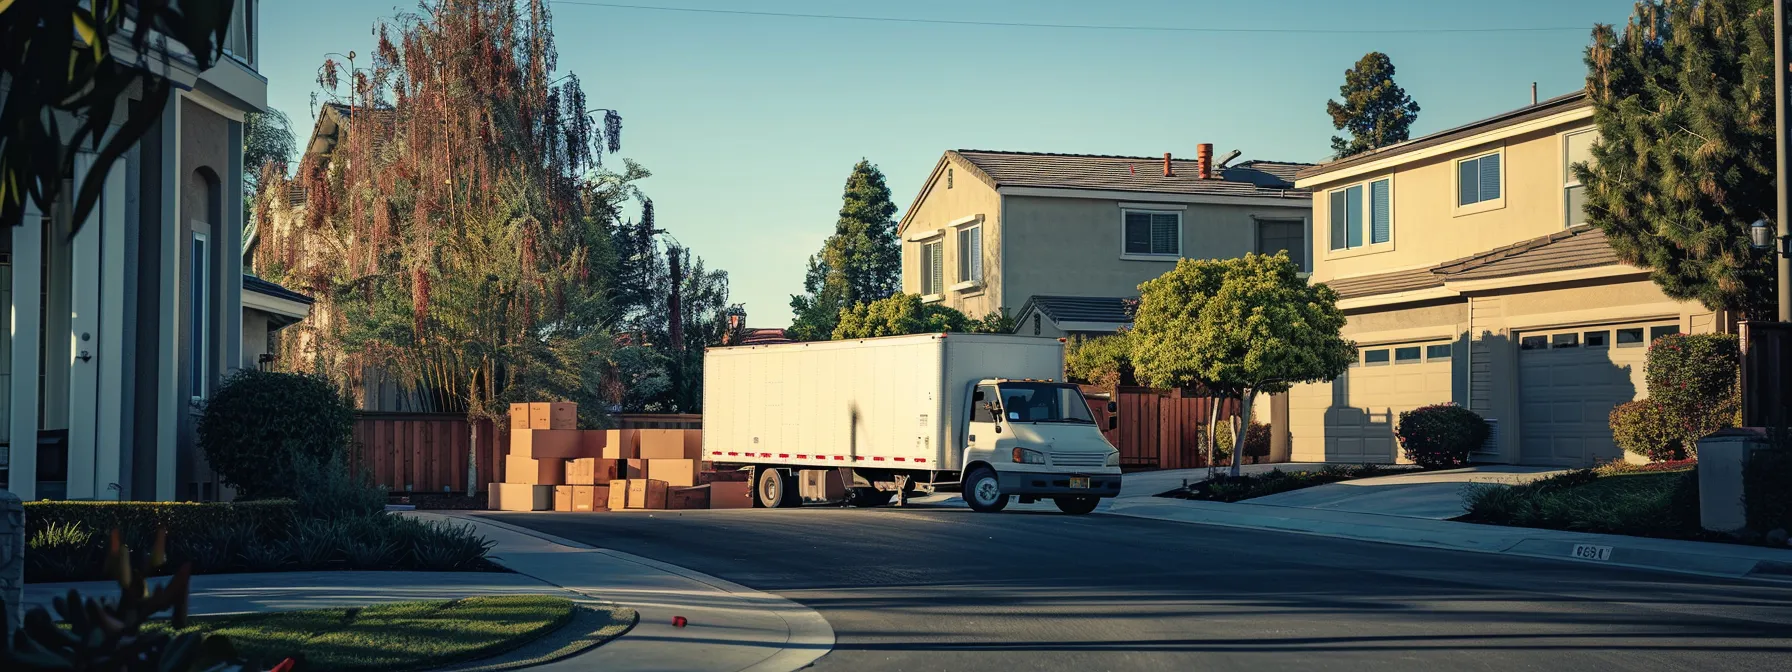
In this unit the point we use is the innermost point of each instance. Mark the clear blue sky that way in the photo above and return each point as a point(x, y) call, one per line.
point(750, 124)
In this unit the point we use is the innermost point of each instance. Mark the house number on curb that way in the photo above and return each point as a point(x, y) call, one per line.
point(1591, 552)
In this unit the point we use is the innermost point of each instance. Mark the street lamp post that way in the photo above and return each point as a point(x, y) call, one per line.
point(1784, 202)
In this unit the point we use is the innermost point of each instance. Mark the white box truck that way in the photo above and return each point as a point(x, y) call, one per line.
point(988, 414)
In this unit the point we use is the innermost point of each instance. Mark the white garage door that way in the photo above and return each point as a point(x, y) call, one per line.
point(1368, 399)
point(1568, 382)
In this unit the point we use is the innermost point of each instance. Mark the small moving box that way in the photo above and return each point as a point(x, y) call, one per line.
point(730, 495)
point(561, 443)
point(695, 497)
point(621, 444)
point(646, 494)
point(520, 497)
point(676, 473)
point(554, 415)
point(584, 498)
point(619, 494)
point(563, 497)
point(672, 444)
point(519, 416)
point(531, 471)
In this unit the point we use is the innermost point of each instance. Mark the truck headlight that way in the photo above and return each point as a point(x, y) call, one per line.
point(1028, 456)
point(1114, 459)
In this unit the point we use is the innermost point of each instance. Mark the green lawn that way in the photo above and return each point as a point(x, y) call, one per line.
point(1648, 504)
point(393, 637)
point(1250, 486)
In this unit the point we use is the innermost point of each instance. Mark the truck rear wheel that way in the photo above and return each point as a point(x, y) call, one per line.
point(776, 490)
point(983, 491)
point(1076, 506)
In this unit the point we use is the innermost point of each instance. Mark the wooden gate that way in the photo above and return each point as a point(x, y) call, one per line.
point(1158, 429)
point(421, 452)
point(1766, 366)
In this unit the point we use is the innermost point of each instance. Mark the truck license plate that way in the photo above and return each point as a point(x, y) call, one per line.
point(1079, 482)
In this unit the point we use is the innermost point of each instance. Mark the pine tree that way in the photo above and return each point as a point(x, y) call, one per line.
point(1683, 100)
point(860, 263)
point(1376, 111)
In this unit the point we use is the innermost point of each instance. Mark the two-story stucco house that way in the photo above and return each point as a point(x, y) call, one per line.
point(118, 331)
point(1468, 274)
point(1062, 241)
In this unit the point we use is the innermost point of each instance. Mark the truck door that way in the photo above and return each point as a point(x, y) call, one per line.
point(980, 434)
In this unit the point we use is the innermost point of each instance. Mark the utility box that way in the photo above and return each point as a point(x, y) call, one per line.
point(1722, 457)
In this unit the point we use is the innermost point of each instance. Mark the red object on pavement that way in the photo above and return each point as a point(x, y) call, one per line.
point(678, 621)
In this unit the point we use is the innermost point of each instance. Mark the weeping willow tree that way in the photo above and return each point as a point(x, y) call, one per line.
point(458, 235)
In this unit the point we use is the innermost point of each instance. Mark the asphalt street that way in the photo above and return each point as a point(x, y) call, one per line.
point(948, 589)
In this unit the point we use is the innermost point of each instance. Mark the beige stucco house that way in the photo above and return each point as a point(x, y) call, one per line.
point(1062, 241)
point(1468, 275)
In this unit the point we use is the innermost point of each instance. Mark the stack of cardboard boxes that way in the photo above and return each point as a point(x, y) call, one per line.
point(553, 465)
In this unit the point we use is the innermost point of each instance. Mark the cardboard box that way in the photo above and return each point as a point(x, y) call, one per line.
point(579, 472)
point(561, 443)
point(600, 498)
point(676, 473)
point(619, 494)
point(519, 416)
point(644, 493)
point(621, 444)
point(694, 497)
point(822, 485)
point(671, 444)
point(520, 497)
point(584, 498)
point(632, 469)
point(730, 495)
point(563, 497)
point(531, 471)
point(554, 415)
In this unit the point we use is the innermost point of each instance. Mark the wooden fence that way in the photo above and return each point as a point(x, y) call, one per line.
point(1766, 366)
point(422, 452)
point(1158, 429)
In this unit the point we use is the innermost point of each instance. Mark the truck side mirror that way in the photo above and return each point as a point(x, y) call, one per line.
point(977, 396)
point(1113, 407)
point(1113, 423)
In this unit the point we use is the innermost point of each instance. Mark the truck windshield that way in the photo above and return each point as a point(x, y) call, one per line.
point(1044, 402)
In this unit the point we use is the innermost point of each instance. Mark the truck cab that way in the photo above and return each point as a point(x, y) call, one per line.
point(1035, 439)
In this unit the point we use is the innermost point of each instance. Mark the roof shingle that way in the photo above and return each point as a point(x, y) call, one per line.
point(1262, 179)
point(1110, 309)
point(1573, 248)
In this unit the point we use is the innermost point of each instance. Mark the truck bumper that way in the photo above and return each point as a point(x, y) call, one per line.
point(1055, 484)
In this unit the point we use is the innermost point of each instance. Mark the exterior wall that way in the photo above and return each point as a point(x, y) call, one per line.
point(1426, 226)
point(255, 338)
point(1072, 246)
point(968, 196)
point(210, 204)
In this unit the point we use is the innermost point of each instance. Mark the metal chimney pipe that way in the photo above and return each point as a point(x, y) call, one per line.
point(1167, 171)
point(1204, 161)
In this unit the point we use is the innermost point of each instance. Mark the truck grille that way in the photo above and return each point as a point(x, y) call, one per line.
point(1078, 459)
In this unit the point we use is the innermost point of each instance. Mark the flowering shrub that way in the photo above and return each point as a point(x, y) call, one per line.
point(1695, 380)
point(1440, 435)
point(1646, 428)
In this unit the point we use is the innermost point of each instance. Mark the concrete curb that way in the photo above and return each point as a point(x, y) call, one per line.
point(1667, 555)
point(806, 636)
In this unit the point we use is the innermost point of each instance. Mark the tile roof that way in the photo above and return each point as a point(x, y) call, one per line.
point(764, 337)
point(255, 284)
point(1264, 179)
point(1541, 109)
point(1576, 247)
point(1114, 309)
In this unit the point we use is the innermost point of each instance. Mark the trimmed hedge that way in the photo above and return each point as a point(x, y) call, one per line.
point(141, 519)
point(1646, 428)
point(260, 425)
point(1440, 435)
point(1696, 380)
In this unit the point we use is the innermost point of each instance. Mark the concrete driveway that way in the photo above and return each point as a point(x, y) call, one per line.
point(1433, 494)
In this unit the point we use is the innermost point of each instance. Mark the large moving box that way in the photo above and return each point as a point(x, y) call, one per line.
point(531, 471)
point(621, 444)
point(590, 498)
point(561, 443)
point(646, 493)
point(554, 415)
point(519, 416)
point(591, 471)
point(730, 495)
point(695, 497)
point(520, 497)
point(672, 444)
point(676, 473)
point(619, 494)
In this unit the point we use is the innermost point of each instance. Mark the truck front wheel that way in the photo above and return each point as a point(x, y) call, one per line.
point(983, 491)
point(776, 489)
point(1076, 506)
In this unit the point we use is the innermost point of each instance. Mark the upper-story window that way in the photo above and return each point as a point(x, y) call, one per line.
point(970, 254)
point(1577, 148)
point(1152, 233)
point(1353, 207)
point(1479, 180)
point(1278, 235)
point(239, 39)
point(933, 267)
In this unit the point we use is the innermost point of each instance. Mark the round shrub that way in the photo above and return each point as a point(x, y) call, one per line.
point(260, 425)
point(1695, 379)
point(1441, 435)
point(1645, 427)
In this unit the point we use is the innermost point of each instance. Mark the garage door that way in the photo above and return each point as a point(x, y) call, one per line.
point(1568, 382)
point(1368, 399)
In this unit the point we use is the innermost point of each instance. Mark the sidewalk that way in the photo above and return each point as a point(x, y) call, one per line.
point(1692, 557)
point(731, 628)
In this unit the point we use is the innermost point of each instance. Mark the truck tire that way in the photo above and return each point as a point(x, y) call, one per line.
point(868, 497)
point(983, 491)
point(1076, 506)
point(777, 490)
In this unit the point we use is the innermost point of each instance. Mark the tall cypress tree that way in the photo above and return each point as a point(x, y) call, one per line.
point(1683, 100)
point(1376, 111)
point(860, 263)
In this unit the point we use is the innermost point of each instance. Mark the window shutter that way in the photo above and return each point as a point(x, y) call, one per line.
point(1490, 177)
point(976, 254)
point(1166, 234)
point(938, 253)
point(1378, 212)
point(964, 255)
point(1468, 183)
point(1338, 208)
point(926, 268)
point(1138, 233)
point(1353, 214)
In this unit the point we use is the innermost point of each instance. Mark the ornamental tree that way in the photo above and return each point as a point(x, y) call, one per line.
point(897, 315)
point(1683, 100)
point(1238, 327)
point(860, 263)
point(1376, 112)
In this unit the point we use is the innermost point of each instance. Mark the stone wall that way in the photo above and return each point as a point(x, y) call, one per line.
point(12, 559)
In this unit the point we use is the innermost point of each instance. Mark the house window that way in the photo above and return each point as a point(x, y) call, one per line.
point(1630, 338)
point(1279, 235)
point(200, 312)
point(1350, 208)
point(933, 267)
point(970, 254)
point(1658, 332)
point(1478, 179)
point(1596, 339)
point(1577, 148)
point(238, 38)
point(948, 177)
point(1568, 340)
point(1151, 233)
point(1406, 355)
point(1437, 352)
point(1375, 358)
point(1533, 343)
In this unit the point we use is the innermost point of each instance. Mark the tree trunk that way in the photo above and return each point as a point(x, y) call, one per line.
point(1244, 417)
point(1213, 422)
point(473, 439)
